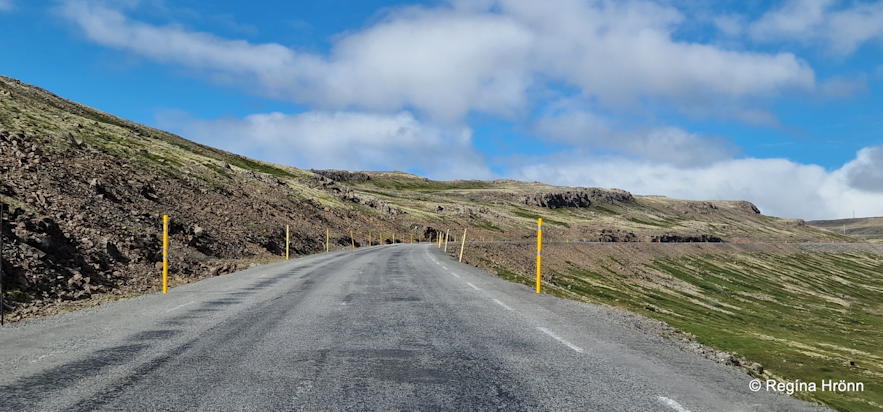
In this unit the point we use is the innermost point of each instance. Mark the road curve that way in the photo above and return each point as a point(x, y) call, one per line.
point(397, 327)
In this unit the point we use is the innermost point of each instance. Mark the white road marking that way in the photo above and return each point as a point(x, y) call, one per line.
point(560, 339)
point(343, 303)
point(444, 268)
point(179, 307)
point(503, 304)
point(673, 404)
point(455, 275)
point(473, 286)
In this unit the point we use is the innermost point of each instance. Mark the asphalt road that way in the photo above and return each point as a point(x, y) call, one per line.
point(397, 327)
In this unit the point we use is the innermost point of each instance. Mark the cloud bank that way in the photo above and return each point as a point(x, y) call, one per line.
point(340, 140)
point(489, 57)
point(842, 30)
point(779, 187)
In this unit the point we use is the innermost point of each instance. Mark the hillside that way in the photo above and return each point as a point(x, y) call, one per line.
point(869, 228)
point(779, 311)
point(85, 192)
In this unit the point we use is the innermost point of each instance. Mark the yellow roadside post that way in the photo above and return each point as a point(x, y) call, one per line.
point(381, 239)
point(286, 242)
point(326, 241)
point(352, 239)
point(438, 239)
point(165, 254)
point(539, 252)
point(412, 238)
point(447, 236)
point(462, 245)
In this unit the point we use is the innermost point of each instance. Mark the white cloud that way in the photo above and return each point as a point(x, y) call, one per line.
point(842, 29)
point(730, 25)
point(778, 187)
point(866, 171)
point(339, 140)
point(669, 145)
point(472, 56)
point(7, 5)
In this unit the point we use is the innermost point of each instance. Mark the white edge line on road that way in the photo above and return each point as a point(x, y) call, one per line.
point(503, 304)
point(473, 286)
point(560, 339)
point(455, 275)
point(179, 307)
point(673, 404)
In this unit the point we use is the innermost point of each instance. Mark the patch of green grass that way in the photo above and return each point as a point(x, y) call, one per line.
point(426, 186)
point(534, 216)
point(249, 164)
point(488, 226)
point(803, 316)
point(648, 223)
point(603, 209)
point(220, 171)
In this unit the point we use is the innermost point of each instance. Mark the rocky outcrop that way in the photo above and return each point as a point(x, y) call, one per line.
point(747, 207)
point(371, 202)
point(580, 198)
point(343, 175)
point(683, 238)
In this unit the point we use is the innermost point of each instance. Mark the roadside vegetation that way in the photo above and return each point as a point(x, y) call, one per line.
point(811, 313)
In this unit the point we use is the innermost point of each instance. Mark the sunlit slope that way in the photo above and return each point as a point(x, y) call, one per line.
point(870, 228)
point(809, 312)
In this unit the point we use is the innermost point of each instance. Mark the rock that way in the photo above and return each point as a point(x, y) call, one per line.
point(113, 251)
point(747, 207)
point(756, 368)
point(198, 231)
point(31, 251)
point(343, 176)
point(581, 198)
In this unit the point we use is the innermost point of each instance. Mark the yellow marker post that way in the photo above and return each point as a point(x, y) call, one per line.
point(352, 239)
point(462, 245)
point(165, 254)
point(438, 239)
point(381, 239)
point(539, 252)
point(447, 236)
point(412, 238)
point(393, 237)
point(287, 242)
point(327, 249)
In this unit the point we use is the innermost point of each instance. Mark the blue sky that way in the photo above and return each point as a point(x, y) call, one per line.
point(778, 103)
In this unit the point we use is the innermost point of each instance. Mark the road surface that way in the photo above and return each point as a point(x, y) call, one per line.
point(397, 327)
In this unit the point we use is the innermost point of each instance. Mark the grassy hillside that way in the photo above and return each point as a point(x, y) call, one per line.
point(869, 229)
point(803, 311)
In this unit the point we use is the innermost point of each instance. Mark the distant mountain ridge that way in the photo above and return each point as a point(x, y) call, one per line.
point(867, 228)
